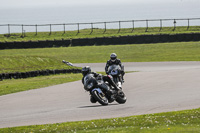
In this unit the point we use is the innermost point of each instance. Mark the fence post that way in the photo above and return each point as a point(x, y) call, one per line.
point(133, 26)
point(188, 24)
point(9, 29)
point(22, 30)
point(119, 26)
point(174, 24)
point(50, 29)
point(105, 28)
point(36, 29)
point(78, 29)
point(160, 24)
point(146, 26)
point(91, 28)
point(64, 28)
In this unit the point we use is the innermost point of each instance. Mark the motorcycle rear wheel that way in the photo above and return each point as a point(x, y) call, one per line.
point(121, 98)
point(100, 98)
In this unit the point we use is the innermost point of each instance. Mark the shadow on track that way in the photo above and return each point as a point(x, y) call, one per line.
point(94, 106)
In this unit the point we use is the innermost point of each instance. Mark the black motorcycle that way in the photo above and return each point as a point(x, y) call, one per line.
point(97, 88)
point(115, 71)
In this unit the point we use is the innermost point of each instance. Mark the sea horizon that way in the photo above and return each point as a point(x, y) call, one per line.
point(97, 13)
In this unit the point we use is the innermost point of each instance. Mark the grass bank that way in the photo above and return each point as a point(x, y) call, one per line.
point(86, 33)
point(17, 85)
point(180, 121)
point(25, 63)
point(18, 60)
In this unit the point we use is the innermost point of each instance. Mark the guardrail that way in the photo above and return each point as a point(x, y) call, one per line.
point(103, 25)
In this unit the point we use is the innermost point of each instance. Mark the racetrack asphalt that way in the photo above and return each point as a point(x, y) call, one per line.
point(156, 87)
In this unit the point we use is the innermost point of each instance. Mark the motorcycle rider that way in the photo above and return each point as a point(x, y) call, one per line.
point(114, 61)
point(87, 70)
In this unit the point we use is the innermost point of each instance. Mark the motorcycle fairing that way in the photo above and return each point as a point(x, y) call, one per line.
point(97, 89)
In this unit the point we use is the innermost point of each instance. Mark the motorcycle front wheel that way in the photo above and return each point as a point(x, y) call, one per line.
point(100, 97)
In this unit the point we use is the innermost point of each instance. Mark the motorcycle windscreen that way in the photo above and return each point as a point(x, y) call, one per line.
point(114, 69)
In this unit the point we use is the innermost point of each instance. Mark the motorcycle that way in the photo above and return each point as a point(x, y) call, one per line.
point(97, 88)
point(115, 72)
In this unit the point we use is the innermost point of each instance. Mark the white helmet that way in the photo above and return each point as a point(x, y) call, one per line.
point(113, 57)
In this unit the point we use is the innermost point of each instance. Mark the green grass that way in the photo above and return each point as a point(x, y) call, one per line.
point(17, 85)
point(18, 60)
point(179, 121)
point(24, 63)
point(51, 58)
point(85, 33)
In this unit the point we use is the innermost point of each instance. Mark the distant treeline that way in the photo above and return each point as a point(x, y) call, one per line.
point(136, 39)
point(19, 75)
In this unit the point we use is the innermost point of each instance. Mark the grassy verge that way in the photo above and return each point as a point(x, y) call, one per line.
point(50, 58)
point(17, 85)
point(180, 121)
point(25, 63)
point(86, 33)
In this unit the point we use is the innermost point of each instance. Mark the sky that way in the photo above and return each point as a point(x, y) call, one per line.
point(82, 11)
point(54, 3)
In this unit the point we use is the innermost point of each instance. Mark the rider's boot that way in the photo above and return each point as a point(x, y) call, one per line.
point(122, 79)
point(112, 95)
point(123, 73)
point(114, 92)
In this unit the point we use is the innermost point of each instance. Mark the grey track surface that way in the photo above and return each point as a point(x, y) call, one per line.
point(158, 87)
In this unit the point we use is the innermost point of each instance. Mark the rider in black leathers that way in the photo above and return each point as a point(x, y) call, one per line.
point(114, 61)
point(87, 70)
